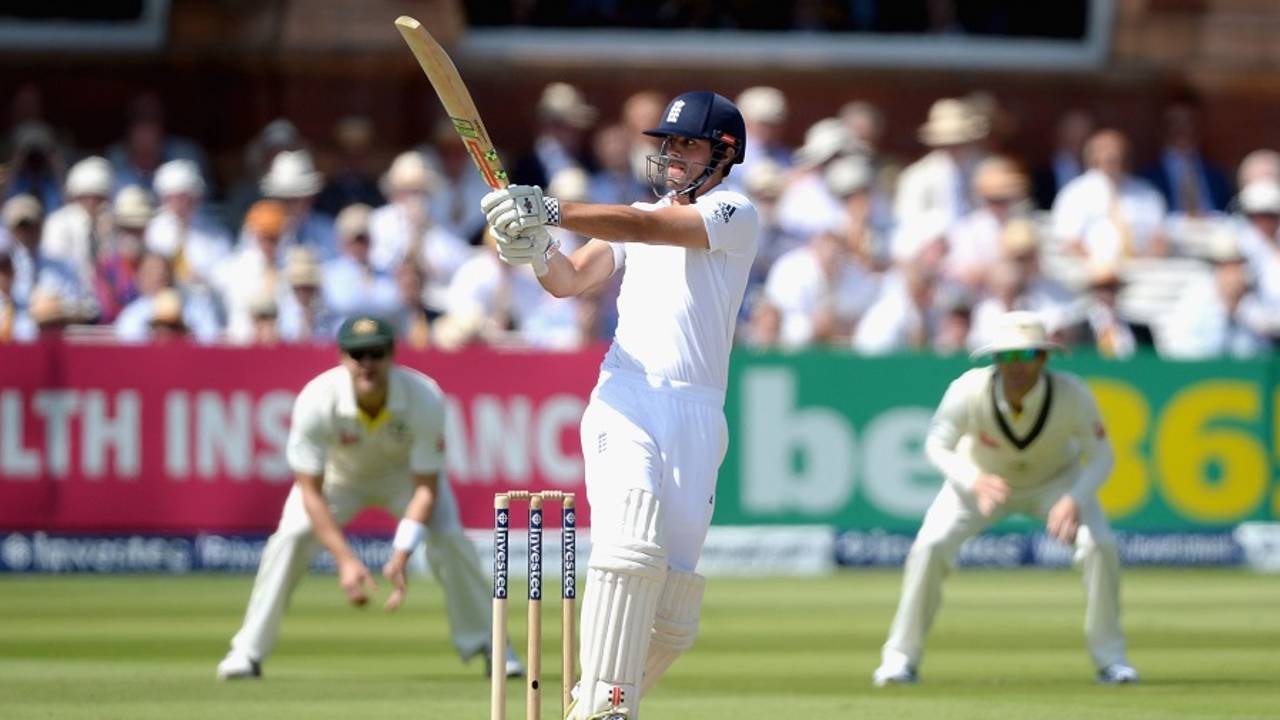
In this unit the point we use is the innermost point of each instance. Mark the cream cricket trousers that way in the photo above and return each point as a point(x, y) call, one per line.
point(954, 517)
point(290, 549)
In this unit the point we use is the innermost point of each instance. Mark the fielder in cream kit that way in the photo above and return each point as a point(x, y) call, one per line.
point(366, 434)
point(1014, 438)
point(654, 432)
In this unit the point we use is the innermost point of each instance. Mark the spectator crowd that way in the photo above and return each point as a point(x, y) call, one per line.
point(859, 249)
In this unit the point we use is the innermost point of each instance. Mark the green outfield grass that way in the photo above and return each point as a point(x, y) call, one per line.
point(1007, 645)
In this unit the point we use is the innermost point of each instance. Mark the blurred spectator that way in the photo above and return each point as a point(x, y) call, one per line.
point(75, 233)
point(1109, 334)
point(32, 268)
point(1107, 214)
point(807, 206)
point(954, 306)
point(352, 180)
point(1261, 164)
point(49, 315)
point(413, 319)
point(303, 316)
point(15, 324)
point(1067, 161)
point(820, 290)
point(1002, 125)
point(865, 123)
point(181, 232)
point(251, 271)
point(904, 317)
point(615, 183)
point(294, 181)
point(764, 329)
point(640, 112)
point(851, 181)
point(276, 137)
point(765, 182)
point(1189, 184)
point(1015, 282)
point(154, 282)
point(402, 229)
point(352, 285)
point(1217, 317)
point(167, 323)
point(455, 202)
point(564, 117)
point(147, 145)
point(974, 241)
point(1259, 241)
point(36, 166)
point(117, 267)
point(764, 109)
point(939, 181)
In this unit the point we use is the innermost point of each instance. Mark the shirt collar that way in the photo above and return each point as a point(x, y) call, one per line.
point(1031, 402)
point(397, 400)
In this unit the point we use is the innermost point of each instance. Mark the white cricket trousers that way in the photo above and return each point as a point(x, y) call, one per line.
point(954, 517)
point(669, 442)
point(290, 549)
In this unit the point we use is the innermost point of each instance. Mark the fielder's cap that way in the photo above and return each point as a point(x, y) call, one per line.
point(763, 104)
point(293, 174)
point(1018, 330)
point(90, 176)
point(1260, 197)
point(132, 208)
point(952, 122)
point(564, 103)
point(365, 331)
point(22, 208)
point(705, 115)
point(178, 176)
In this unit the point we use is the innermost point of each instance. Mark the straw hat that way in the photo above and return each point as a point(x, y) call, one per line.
point(1018, 330)
point(564, 103)
point(848, 175)
point(353, 221)
point(293, 174)
point(409, 172)
point(1000, 177)
point(265, 218)
point(1260, 197)
point(301, 268)
point(263, 304)
point(21, 208)
point(952, 122)
point(178, 176)
point(90, 176)
point(763, 104)
point(824, 140)
point(132, 208)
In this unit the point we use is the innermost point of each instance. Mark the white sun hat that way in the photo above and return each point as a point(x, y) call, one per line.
point(952, 122)
point(849, 175)
point(1260, 197)
point(132, 208)
point(90, 176)
point(293, 174)
point(409, 172)
point(763, 104)
point(824, 140)
point(1017, 330)
point(178, 176)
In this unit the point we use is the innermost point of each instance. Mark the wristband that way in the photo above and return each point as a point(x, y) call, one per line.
point(408, 534)
point(552, 207)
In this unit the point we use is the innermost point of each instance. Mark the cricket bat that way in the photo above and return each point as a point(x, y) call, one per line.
point(457, 101)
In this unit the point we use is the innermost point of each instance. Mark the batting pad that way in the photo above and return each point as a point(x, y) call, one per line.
point(676, 624)
point(625, 576)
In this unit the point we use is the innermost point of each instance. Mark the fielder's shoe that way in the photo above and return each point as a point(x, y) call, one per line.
point(238, 666)
point(1117, 674)
point(514, 668)
point(894, 674)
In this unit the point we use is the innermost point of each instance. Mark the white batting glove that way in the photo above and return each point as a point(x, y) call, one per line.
point(531, 247)
point(519, 207)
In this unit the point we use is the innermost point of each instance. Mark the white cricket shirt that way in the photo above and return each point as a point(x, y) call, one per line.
point(677, 307)
point(975, 431)
point(330, 435)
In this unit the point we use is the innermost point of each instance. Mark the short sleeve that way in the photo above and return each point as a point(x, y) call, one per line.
point(309, 432)
point(427, 454)
point(619, 255)
point(732, 223)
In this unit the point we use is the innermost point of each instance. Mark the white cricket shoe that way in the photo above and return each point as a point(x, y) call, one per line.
point(238, 666)
point(895, 671)
point(1118, 674)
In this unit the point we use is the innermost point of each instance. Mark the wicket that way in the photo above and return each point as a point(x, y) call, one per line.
point(568, 594)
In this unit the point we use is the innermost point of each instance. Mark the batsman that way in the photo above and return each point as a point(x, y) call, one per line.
point(1008, 438)
point(654, 432)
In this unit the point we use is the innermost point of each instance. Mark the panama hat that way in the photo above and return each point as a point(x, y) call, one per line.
point(178, 176)
point(824, 140)
point(1017, 330)
point(952, 122)
point(132, 208)
point(763, 105)
point(90, 176)
point(293, 174)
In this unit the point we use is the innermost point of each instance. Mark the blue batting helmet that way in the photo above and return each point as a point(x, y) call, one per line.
point(705, 115)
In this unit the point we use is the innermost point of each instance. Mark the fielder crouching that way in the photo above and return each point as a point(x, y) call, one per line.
point(1014, 438)
point(366, 433)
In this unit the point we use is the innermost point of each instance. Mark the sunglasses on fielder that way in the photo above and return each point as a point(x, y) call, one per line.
point(371, 353)
point(1008, 356)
